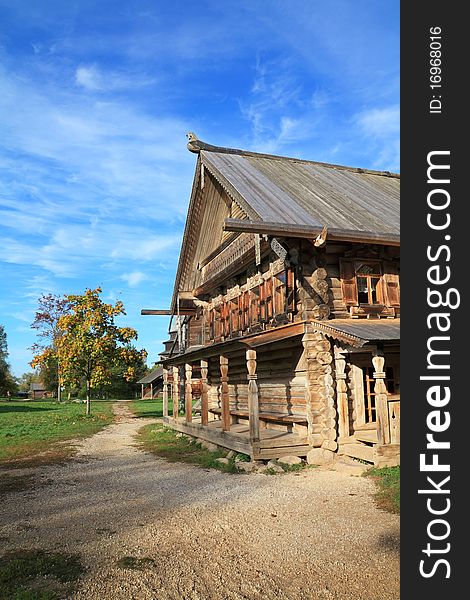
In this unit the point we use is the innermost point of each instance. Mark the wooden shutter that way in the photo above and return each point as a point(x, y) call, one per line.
point(392, 285)
point(348, 282)
point(290, 290)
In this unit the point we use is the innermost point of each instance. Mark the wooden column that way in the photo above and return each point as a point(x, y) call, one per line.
point(341, 393)
point(151, 391)
point(253, 400)
point(188, 393)
point(224, 397)
point(381, 400)
point(176, 391)
point(204, 392)
point(165, 392)
point(142, 391)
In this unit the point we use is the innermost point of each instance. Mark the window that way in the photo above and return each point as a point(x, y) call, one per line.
point(254, 310)
point(266, 301)
point(243, 309)
point(263, 306)
point(234, 317)
point(280, 281)
point(369, 288)
point(370, 284)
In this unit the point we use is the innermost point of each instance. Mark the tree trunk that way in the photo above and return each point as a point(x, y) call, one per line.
point(88, 400)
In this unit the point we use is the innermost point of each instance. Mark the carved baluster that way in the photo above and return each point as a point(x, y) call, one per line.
point(188, 393)
point(381, 400)
point(341, 393)
point(225, 401)
point(253, 400)
point(176, 392)
point(165, 392)
point(204, 392)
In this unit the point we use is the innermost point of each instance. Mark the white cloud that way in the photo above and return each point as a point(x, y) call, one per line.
point(380, 122)
point(89, 78)
point(133, 279)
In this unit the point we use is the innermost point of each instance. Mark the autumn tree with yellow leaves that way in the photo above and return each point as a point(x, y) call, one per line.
point(90, 343)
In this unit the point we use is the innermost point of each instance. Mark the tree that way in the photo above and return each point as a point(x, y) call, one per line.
point(26, 379)
point(7, 381)
point(90, 344)
point(50, 308)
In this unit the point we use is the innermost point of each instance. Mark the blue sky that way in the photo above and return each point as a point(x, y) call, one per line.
point(95, 102)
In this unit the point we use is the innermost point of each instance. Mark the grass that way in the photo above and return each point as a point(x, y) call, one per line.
point(164, 442)
point(149, 408)
point(388, 482)
point(38, 575)
point(30, 428)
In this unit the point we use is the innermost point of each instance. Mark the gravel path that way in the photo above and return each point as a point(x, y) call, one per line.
point(211, 536)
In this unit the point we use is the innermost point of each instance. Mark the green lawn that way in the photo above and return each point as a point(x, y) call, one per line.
point(388, 482)
point(150, 408)
point(27, 428)
point(165, 443)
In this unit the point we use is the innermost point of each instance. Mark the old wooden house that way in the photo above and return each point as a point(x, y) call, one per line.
point(287, 301)
point(151, 385)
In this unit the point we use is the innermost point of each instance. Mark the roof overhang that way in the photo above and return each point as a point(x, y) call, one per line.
point(311, 232)
point(359, 332)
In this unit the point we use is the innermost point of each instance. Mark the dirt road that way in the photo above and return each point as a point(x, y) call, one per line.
point(202, 534)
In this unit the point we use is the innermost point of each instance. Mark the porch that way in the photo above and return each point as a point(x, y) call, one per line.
point(271, 443)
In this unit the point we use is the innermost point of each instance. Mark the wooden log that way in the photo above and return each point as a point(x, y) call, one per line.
point(224, 396)
point(165, 392)
point(188, 393)
point(330, 445)
point(253, 400)
point(204, 393)
point(176, 392)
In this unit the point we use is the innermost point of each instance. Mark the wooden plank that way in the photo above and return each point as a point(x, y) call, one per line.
point(267, 453)
point(278, 333)
point(366, 436)
point(224, 396)
point(394, 421)
point(221, 438)
point(281, 439)
point(358, 451)
point(357, 385)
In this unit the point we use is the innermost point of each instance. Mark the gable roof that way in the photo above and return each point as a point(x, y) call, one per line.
point(152, 376)
point(285, 192)
point(294, 192)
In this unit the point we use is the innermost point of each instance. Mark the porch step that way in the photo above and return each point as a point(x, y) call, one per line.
point(358, 451)
point(366, 436)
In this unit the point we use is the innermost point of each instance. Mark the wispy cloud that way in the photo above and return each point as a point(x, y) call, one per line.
point(133, 279)
point(380, 122)
point(94, 79)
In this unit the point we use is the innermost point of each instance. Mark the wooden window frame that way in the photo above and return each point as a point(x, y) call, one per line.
point(387, 289)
